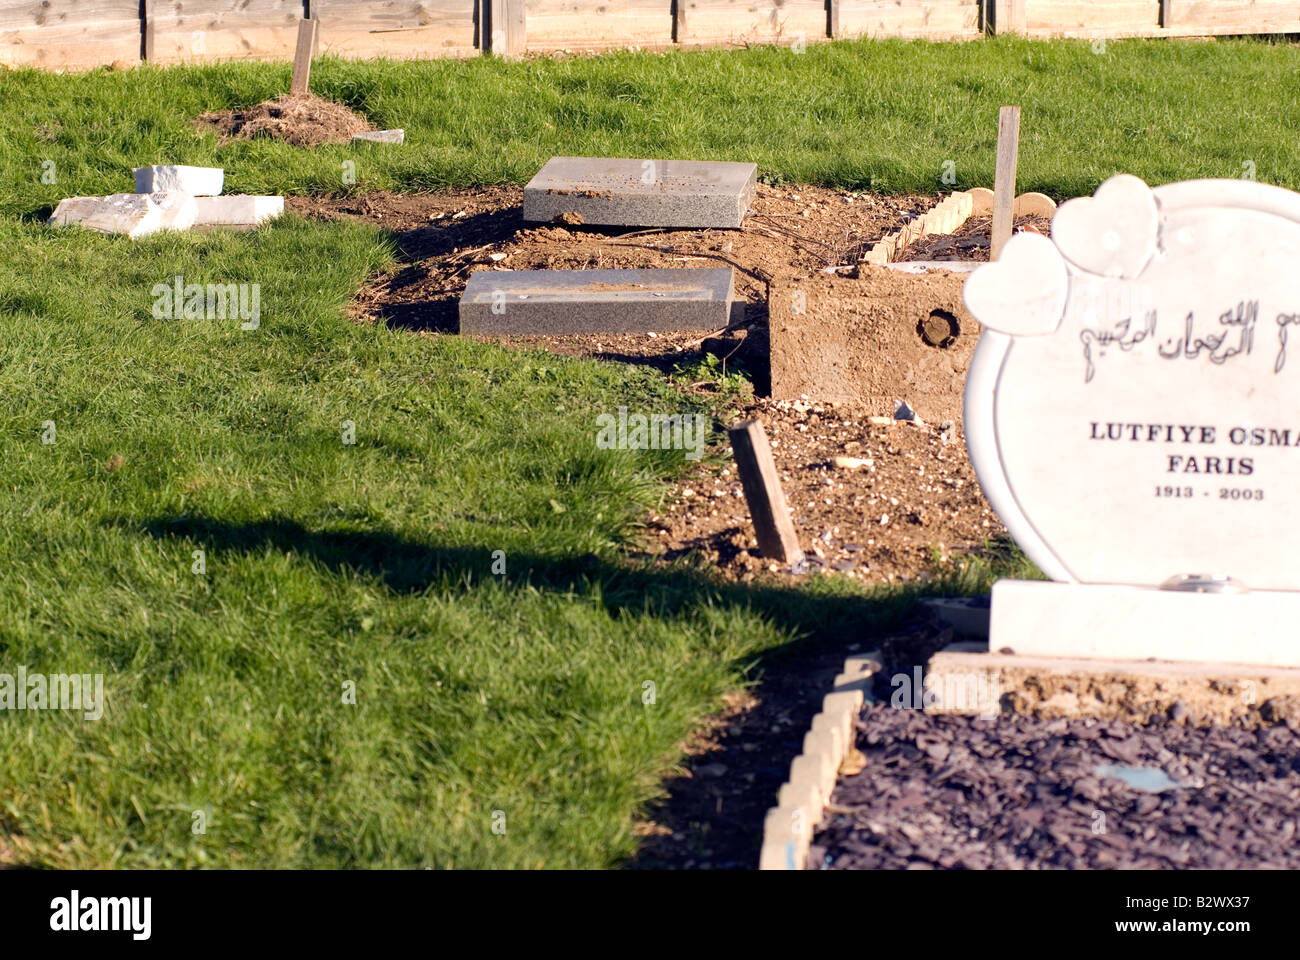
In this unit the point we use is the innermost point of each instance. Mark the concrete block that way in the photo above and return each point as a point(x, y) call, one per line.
point(1035, 205)
point(596, 301)
point(785, 845)
point(199, 181)
point(850, 700)
point(642, 193)
point(132, 214)
point(816, 769)
point(802, 795)
point(239, 210)
point(381, 136)
point(981, 201)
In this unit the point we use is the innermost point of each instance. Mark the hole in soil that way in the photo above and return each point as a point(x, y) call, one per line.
point(939, 329)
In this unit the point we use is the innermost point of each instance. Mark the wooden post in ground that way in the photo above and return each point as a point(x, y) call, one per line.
point(507, 22)
point(302, 56)
point(772, 524)
point(1004, 183)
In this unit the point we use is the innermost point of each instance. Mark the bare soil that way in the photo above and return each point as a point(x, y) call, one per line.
point(304, 120)
point(910, 510)
point(908, 514)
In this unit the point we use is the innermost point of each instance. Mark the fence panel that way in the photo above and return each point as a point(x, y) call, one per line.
point(598, 24)
point(1088, 18)
point(716, 22)
point(73, 34)
point(929, 19)
point(180, 31)
point(401, 29)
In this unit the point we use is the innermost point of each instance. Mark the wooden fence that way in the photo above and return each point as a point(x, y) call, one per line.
point(77, 34)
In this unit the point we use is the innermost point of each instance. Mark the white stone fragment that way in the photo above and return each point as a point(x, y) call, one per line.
point(200, 181)
point(381, 136)
point(239, 210)
point(132, 214)
point(178, 209)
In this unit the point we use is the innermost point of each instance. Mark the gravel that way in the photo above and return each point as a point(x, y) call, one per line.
point(1015, 792)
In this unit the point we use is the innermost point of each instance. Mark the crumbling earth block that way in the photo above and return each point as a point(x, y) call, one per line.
point(878, 338)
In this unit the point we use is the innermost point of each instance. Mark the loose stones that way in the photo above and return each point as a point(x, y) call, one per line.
point(595, 301)
point(641, 193)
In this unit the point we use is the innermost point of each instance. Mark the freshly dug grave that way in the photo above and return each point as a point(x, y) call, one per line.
point(921, 486)
point(790, 232)
point(304, 120)
point(941, 791)
point(913, 509)
point(971, 241)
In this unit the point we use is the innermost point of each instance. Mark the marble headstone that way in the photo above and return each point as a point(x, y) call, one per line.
point(1133, 414)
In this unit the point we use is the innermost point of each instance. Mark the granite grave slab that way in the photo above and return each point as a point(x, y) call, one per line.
point(596, 301)
point(641, 193)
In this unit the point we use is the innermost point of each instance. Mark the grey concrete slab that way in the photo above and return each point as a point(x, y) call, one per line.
point(596, 301)
point(642, 193)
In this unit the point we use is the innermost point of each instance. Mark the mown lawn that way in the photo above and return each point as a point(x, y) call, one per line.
point(335, 571)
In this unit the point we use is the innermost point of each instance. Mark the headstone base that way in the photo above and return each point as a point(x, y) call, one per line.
point(1050, 619)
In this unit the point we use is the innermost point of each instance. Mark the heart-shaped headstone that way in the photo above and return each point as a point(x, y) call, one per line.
point(1112, 233)
point(1022, 293)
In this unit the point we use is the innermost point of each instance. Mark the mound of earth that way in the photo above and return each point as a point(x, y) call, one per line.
point(304, 120)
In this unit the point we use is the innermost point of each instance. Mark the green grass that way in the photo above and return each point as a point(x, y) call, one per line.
point(332, 567)
point(884, 115)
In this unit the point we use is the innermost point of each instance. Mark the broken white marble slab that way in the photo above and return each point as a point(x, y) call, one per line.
point(179, 209)
point(199, 181)
point(381, 136)
point(238, 210)
point(133, 214)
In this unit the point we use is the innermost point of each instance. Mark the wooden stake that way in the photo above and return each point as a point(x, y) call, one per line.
point(302, 56)
point(767, 506)
point(1004, 183)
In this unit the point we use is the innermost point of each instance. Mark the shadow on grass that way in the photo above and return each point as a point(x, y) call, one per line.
point(408, 566)
point(702, 820)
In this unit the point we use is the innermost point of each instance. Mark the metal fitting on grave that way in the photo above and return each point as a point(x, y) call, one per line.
point(1204, 583)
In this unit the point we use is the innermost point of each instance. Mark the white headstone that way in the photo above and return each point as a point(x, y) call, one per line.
point(1133, 415)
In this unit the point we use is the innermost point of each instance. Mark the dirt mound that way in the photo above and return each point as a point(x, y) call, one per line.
point(304, 120)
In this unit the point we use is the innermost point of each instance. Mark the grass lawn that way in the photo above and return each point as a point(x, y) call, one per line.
point(334, 571)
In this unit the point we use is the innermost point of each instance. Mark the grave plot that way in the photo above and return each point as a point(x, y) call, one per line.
point(872, 500)
point(1142, 708)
